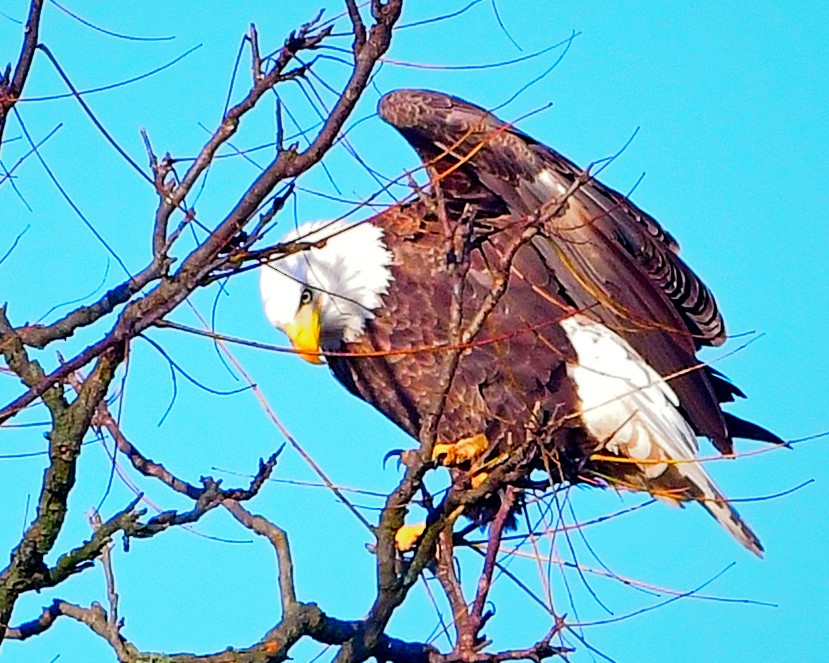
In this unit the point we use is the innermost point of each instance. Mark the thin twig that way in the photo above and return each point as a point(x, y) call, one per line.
point(106, 561)
point(10, 90)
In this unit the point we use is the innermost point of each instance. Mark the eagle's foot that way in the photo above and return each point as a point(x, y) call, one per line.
point(466, 450)
point(407, 536)
point(478, 478)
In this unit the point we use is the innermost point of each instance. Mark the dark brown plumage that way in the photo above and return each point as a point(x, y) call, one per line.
point(598, 286)
point(622, 265)
point(497, 385)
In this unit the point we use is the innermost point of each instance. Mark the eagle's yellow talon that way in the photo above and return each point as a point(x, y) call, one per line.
point(408, 535)
point(477, 479)
point(464, 450)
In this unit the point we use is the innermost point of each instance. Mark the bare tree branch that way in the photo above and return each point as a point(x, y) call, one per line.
point(10, 90)
point(80, 558)
point(279, 540)
point(70, 423)
point(357, 26)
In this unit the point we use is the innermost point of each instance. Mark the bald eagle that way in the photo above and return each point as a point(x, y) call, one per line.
point(583, 321)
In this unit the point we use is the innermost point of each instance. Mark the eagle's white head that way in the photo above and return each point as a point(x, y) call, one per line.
point(323, 296)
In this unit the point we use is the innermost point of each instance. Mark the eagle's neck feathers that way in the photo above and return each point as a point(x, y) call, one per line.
point(347, 276)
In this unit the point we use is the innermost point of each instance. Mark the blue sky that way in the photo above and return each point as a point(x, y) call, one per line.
point(727, 102)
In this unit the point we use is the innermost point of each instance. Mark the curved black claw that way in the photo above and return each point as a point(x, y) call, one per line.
point(407, 457)
point(394, 452)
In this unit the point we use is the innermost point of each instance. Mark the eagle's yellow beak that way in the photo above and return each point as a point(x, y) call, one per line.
point(304, 332)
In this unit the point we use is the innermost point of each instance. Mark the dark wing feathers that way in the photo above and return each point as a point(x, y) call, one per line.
point(607, 256)
point(609, 287)
point(447, 131)
point(723, 387)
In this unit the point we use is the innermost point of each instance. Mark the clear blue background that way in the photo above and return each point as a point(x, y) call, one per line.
point(730, 102)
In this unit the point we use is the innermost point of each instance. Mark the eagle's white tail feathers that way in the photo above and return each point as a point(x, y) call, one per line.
point(634, 410)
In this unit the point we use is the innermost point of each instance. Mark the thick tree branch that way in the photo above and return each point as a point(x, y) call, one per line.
point(304, 620)
point(69, 426)
point(448, 578)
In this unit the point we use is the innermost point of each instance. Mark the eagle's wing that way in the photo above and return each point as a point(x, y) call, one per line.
point(614, 260)
point(525, 175)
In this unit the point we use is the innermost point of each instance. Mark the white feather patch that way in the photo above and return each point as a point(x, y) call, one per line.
point(631, 409)
point(626, 403)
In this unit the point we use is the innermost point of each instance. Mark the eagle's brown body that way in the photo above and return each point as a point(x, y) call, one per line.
point(500, 388)
point(572, 250)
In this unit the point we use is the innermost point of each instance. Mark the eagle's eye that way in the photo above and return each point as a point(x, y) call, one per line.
point(306, 297)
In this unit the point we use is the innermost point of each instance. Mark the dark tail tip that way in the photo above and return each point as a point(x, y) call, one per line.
point(741, 428)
